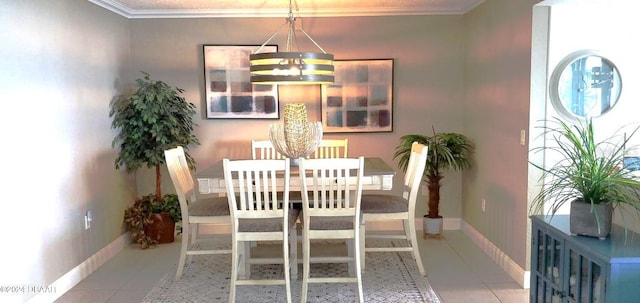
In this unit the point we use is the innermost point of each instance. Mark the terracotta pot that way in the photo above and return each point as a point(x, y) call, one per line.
point(161, 228)
point(585, 221)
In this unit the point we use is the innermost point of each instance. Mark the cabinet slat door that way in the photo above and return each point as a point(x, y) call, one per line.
point(586, 278)
point(547, 278)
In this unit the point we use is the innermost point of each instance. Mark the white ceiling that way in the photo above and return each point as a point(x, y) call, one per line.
point(279, 8)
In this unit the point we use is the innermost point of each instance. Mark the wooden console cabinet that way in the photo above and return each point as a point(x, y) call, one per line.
point(567, 269)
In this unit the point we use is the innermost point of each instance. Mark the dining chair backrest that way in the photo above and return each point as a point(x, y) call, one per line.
point(332, 148)
point(256, 185)
point(333, 186)
point(414, 174)
point(263, 149)
point(181, 177)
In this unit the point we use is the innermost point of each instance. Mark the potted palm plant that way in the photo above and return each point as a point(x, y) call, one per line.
point(445, 151)
point(150, 120)
point(588, 174)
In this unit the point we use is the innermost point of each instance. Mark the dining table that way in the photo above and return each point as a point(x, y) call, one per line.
point(377, 175)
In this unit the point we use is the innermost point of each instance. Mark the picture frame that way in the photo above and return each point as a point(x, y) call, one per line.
point(229, 93)
point(360, 99)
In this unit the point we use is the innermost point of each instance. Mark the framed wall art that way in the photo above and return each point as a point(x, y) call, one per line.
point(229, 93)
point(360, 99)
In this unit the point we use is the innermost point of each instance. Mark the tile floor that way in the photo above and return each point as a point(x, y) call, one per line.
point(457, 269)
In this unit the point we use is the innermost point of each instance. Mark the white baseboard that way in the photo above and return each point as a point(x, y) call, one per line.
point(75, 275)
point(516, 272)
point(449, 224)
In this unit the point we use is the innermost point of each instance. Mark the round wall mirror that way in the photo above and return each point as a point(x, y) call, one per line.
point(584, 85)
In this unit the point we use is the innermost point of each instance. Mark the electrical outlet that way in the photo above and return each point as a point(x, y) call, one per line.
point(523, 137)
point(87, 220)
point(484, 204)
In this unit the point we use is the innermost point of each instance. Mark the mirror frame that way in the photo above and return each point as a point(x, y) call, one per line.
point(554, 83)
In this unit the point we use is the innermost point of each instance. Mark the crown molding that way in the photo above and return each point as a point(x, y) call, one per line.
point(127, 12)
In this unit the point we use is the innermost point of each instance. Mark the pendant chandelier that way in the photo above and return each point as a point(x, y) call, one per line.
point(291, 67)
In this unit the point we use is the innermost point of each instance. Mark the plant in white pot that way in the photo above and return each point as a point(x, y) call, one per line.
point(445, 151)
point(588, 174)
point(150, 120)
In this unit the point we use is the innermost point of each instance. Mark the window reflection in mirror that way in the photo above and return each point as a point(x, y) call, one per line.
point(584, 85)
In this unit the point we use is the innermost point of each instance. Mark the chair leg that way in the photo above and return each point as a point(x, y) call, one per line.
point(183, 251)
point(408, 230)
point(362, 236)
point(244, 268)
point(293, 252)
point(406, 225)
point(194, 237)
point(414, 246)
point(235, 256)
point(286, 265)
point(305, 265)
point(351, 252)
point(195, 228)
point(357, 262)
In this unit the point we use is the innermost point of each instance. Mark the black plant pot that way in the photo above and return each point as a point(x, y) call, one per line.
point(587, 221)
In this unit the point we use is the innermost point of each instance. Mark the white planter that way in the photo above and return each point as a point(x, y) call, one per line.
point(432, 227)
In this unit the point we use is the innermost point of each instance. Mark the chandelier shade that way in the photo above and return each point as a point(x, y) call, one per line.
point(291, 67)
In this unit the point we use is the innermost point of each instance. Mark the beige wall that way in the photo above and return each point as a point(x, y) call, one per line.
point(497, 81)
point(60, 64)
point(428, 74)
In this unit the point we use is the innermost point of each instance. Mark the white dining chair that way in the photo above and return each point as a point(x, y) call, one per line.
point(332, 148)
point(259, 215)
point(332, 189)
point(194, 211)
point(382, 207)
point(263, 149)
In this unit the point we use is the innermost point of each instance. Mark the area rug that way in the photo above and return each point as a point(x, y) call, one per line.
point(389, 277)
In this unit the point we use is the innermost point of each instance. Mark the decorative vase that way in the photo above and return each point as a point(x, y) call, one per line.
point(161, 228)
point(295, 137)
point(431, 227)
point(590, 220)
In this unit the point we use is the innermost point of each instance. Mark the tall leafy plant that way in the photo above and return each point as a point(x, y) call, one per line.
point(587, 170)
point(152, 119)
point(445, 151)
